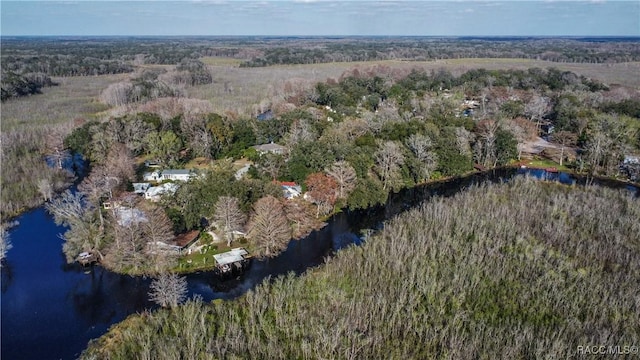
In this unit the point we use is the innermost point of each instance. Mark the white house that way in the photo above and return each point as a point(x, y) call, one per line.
point(270, 148)
point(176, 175)
point(151, 176)
point(170, 174)
point(290, 190)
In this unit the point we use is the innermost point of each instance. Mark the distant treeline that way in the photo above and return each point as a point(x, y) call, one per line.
point(80, 56)
point(421, 49)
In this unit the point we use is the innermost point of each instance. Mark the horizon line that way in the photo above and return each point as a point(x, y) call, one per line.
point(319, 36)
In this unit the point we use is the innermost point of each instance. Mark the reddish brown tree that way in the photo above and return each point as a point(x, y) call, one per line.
point(323, 190)
point(301, 215)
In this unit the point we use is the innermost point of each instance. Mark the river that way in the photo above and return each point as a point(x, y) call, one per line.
point(50, 309)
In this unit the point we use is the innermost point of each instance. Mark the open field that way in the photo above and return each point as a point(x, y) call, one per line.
point(74, 97)
point(248, 90)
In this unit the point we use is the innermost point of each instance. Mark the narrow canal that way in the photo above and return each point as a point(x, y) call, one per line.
point(50, 310)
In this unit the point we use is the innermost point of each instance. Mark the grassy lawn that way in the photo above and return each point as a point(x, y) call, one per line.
point(544, 163)
point(203, 259)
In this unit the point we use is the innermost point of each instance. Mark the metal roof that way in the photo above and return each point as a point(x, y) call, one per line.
point(231, 256)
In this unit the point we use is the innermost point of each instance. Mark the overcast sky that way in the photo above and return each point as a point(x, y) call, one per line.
point(310, 17)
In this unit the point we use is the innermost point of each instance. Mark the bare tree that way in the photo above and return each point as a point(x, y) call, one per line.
point(117, 94)
point(271, 164)
point(485, 147)
point(198, 135)
point(345, 176)
point(84, 234)
point(96, 186)
point(536, 108)
point(606, 143)
point(130, 240)
point(565, 139)
point(229, 216)
point(388, 159)
point(120, 163)
point(301, 130)
point(168, 290)
point(5, 243)
point(133, 134)
point(59, 156)
point(463, 141)
point(268, 227)
point(421, 146)
point(157, 229)
point(45, 188)
point(100, 145)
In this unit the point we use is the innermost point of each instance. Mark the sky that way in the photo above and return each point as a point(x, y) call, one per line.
point(322, 17)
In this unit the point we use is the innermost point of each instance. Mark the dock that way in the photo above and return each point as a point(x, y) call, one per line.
point(234, 260)
point(87, 258)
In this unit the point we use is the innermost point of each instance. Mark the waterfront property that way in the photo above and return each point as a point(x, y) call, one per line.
point(187, 240)
point(232, 261)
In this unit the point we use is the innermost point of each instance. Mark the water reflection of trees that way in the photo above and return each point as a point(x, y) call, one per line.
point(6, 275)
point(102, 297)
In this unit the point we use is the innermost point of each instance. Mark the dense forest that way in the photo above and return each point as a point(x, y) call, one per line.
point(518, 270)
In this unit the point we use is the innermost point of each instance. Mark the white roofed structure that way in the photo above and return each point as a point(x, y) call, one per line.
point(231, 256)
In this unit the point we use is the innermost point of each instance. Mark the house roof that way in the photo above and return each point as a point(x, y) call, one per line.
point(185, 239)
point(229, 257)
point(288, 183)
point(157, 190)
point(176, 172)
point(269, 147)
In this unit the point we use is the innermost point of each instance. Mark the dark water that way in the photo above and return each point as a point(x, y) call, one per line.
point(50, 310)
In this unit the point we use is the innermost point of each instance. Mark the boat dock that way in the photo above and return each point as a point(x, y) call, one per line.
point(232, 261)
point(87, 258)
